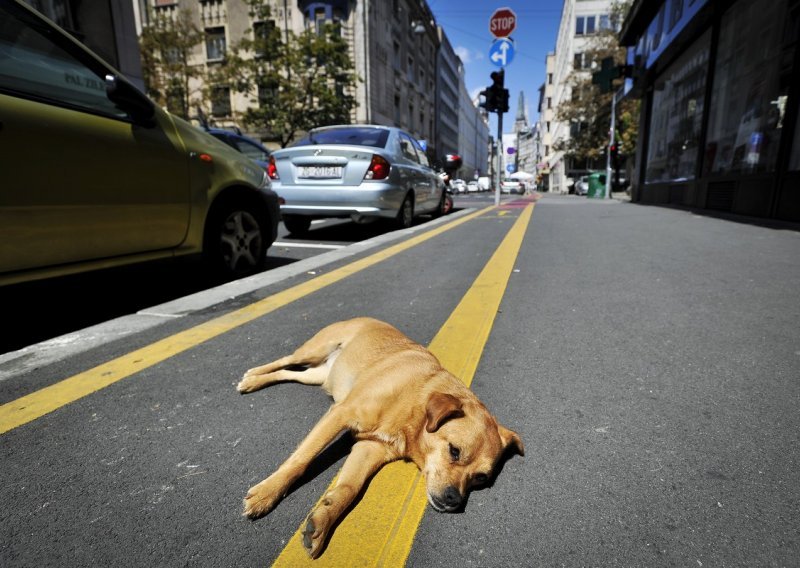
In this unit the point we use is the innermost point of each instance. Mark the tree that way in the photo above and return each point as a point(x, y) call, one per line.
point(166, 46)
point(589, 111)
point(293, 83)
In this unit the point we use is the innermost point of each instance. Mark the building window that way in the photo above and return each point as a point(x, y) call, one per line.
point(605, 24)
point(549, 102)
point(549, 78)
point(215, 44)
point(590, 24)
point(748, 99)
point(580, 25)
point(261, 35)
point(221, 101)
point(676, 119)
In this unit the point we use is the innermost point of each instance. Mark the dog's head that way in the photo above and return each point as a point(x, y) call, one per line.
point(462, 444)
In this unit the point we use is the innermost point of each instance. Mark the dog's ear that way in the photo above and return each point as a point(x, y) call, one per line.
point(441, 408)
point(511, 438)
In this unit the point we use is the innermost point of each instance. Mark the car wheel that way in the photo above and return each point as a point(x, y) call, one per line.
point(405, 216)
point(297, 224)
point(235, 240)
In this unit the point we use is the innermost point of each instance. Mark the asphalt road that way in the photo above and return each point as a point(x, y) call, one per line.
point(648, 357)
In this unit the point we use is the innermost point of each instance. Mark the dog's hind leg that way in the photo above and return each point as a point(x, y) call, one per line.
point(310, 358)
point(310, 376)
point(261, 498)
point(365, 459)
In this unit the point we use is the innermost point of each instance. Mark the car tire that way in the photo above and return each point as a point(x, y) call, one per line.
point(235, 239)
point(297, 224)
point(405, 216)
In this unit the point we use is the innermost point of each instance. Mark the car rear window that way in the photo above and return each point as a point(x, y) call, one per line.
point(374, 137)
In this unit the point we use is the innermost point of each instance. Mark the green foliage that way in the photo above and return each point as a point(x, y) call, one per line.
point(589, 111)
point(294, 82)
point(166, 46)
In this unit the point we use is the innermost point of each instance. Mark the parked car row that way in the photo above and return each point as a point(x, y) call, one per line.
point(123, 181)
point(472, 186)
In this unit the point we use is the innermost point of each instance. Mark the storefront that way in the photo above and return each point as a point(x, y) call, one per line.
point(720, 84)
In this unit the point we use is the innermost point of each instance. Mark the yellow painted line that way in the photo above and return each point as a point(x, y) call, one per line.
point(30, 407)
point(380, 530)
point(502, 213)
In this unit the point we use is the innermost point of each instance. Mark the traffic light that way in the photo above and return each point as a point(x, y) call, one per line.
point(614, 153)
point(495, 95)
point(488, 101)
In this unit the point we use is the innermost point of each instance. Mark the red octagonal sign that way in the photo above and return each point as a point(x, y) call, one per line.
point(502, 22)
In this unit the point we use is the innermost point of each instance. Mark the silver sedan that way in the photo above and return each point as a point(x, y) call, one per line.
point(362, 172)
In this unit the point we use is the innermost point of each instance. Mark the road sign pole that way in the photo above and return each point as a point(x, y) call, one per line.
point(499, 167)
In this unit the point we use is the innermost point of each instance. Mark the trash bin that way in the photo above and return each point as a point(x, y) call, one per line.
point(597, 185)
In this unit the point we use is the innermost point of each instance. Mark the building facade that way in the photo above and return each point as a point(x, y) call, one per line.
point(408, 73)
point(580, 21)
point(720, 85)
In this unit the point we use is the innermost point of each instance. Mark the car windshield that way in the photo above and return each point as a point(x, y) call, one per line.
point(375, 137)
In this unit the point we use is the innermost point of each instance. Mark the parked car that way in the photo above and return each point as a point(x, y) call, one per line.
point(247, 146)
point(97, 175)
point(509, 185)
point(459, 186)
point(582, 186)
point(363, 172)
point(472, 187)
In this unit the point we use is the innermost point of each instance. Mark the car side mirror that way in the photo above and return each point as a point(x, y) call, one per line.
point(124, 95)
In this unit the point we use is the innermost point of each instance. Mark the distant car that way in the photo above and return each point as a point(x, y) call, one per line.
point(96, 175)
point(363, 172)
point(509, 185)
point(459, 186)
point(473, 187)
point(484, 183)
point(582, 186)
point(247, 146)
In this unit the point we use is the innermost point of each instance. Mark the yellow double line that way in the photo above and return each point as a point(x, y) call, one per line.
point(381, 529)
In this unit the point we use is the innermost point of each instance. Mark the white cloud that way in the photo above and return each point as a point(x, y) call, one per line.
point(463, 54)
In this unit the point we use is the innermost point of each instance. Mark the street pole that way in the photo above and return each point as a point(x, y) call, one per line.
point(499, 166)
point(610, 144)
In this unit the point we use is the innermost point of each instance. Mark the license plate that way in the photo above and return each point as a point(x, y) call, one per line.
point(320, 172)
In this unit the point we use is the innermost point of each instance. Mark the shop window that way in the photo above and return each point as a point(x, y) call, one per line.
point(676, 120)
point(748, 99)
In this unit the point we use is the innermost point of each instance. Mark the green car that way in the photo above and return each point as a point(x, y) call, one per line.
point(95, 175)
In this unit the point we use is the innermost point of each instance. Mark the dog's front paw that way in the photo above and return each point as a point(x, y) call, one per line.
point(315, 534)
point(247, 384)
point(260, 500)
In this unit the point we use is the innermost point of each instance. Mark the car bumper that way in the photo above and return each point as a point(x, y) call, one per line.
point(378, 201)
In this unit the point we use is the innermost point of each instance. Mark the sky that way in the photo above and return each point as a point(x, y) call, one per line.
point(466, 23)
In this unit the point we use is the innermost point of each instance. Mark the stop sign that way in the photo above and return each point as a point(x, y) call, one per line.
point(502, 22)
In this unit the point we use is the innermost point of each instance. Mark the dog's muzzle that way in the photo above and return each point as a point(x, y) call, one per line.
point(448, 501)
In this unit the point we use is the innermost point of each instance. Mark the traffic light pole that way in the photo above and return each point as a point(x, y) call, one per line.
point(499, 167)
point(611, 142)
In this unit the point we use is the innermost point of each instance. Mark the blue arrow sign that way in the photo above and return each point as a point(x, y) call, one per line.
point(502, 52)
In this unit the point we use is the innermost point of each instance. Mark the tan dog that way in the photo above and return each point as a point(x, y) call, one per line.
point(399, 403)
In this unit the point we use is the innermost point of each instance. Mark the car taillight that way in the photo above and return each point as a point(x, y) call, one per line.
point(272, 169)
point(378, 168)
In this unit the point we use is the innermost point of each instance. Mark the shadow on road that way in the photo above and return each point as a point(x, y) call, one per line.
point(41, 310)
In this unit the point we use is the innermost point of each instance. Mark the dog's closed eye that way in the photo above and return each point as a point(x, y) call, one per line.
point(480, 479)
point(455, 453)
